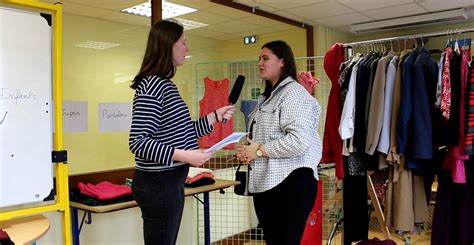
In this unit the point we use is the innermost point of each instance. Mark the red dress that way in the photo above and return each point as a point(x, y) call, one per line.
point(332, 142)
point(216, 95)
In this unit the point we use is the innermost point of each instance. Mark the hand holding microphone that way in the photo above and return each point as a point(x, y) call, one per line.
point(234, 96)
point(224, 113)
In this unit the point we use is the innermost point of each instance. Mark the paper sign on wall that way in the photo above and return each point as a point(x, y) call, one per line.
point(75, 116)
point(115, 117)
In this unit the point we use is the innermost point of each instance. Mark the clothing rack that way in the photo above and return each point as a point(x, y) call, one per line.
point(407, 37)
point(371, 191)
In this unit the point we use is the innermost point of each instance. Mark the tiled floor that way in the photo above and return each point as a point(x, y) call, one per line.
point(414, 239)
point(423, 239)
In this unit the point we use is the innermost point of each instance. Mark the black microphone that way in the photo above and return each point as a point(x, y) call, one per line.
point(235, 92)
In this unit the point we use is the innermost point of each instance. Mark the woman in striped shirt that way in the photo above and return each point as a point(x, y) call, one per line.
point(163, 137)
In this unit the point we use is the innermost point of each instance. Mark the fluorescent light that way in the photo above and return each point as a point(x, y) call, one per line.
point(170, 10)
point(188, 24)
point(95, 45)
point(411, 21)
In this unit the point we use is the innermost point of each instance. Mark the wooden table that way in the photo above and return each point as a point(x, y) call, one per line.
point(25, 230)
point(76, 226)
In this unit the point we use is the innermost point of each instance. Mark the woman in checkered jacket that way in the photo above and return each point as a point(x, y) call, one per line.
point(284, 148)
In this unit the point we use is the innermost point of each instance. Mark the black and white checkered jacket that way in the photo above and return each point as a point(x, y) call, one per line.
point(286, 123)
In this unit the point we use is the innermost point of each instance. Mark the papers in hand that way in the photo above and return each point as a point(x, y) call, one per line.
point(233, 138)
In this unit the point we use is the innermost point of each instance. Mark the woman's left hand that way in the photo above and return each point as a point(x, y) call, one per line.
point(247, 153)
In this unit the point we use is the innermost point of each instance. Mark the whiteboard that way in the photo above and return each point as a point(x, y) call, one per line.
point(26, 172)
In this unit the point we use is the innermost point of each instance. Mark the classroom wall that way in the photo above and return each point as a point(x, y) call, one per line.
point(95, 76)
point(325, 37)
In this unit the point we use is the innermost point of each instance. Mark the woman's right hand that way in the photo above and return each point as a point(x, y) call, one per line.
point(193, 157)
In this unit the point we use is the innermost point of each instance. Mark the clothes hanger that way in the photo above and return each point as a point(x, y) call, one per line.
point(468, 46)
point(385, 49)
point(456, 46)
point(447, 39)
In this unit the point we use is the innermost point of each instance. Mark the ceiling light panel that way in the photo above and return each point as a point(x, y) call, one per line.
point(95, 45)
point(188, 24)
point(169, 10)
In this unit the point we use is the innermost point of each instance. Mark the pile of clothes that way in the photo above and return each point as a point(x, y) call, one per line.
point(102, 193)
point(4, 238)
point(199, 177)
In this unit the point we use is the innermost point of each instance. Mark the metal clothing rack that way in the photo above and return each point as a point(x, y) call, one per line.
point(407, 37)
point(378, 210)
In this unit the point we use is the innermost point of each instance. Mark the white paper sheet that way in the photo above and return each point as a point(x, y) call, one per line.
point(233, 138)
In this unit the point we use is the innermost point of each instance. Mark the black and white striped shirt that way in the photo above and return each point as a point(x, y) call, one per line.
point(161, 123)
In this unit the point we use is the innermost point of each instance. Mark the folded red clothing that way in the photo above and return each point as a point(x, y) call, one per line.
point(195, 174)
point(3, 235)
point(104, 190)
point(199, 176)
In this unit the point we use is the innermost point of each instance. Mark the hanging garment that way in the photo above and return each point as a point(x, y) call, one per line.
point(423, 92)
point(453, 216)
point(393, 157)
point(344, 78)
point(346, 125)
point(246, 107)
point(406, 105)
point(332, 143)
point(356, 217)
point(216, 94)
point(456, 157)
point(470, 114)
point(368, 97)
point(439, 86)
point(446, 83)
point(306, 79)
point(376, 106)
point(313, 230)
point(397, 160)
point(384, 141)
point(364, 75)
point(452, 136)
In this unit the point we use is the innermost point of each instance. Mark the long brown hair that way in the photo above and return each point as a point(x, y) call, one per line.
point(283, 51)
point(158, 58)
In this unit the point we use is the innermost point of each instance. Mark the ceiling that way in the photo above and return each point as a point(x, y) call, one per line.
point(225, 23)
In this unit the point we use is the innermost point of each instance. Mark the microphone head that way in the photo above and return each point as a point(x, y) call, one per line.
point(236, 89)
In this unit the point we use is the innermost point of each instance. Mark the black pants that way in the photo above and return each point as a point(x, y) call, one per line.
point(282, 211)
point(160, 196)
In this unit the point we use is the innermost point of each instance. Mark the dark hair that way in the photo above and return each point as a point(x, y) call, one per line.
point(158, 58)
point(283, 51)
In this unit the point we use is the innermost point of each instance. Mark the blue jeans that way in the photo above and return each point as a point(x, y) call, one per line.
point(160, 196)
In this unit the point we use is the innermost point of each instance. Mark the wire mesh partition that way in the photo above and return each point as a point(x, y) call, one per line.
point(232, 217)
point(332, 200)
